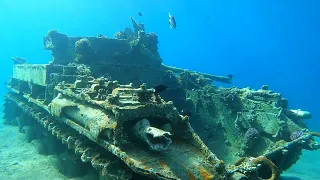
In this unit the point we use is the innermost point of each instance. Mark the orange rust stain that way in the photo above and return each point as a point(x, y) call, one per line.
point(128, 161)
point(204, 174)
point(191, 176)
point(185, 118)
point(163, 165)
point(125, 159)
point(104, 124)
point(115, 91)
point(143, 161)
point(113, 125)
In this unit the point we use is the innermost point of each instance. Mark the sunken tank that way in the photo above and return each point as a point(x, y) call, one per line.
point(96, 98)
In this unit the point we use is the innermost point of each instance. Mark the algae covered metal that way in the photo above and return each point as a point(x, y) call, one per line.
point(96, 97)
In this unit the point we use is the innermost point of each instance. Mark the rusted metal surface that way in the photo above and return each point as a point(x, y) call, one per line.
point(223, 79)
point(276, 160)
point(182, 159)
point(164, 164)
point(36, 73)
point(73, 141)
point(109, 123)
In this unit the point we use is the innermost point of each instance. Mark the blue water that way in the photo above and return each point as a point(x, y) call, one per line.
point(259, 42)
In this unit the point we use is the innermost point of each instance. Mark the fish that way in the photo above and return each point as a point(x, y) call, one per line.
point(230, 76)
point(160, 88)
point(172, 21)
point(208, 17)
point(18, 60)
point(140, 13)
point(186, 112)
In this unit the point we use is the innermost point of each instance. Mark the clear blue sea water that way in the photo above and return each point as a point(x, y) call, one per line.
point(259, 42)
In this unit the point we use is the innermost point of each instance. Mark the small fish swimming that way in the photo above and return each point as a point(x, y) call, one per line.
point(139, 13)
point(172, 21)
point(18, 60)
point(186, 112)
point(230, 76)
point(160, 88)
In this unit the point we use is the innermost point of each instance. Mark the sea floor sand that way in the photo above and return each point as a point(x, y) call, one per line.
point(20, 160)
point(307, 168)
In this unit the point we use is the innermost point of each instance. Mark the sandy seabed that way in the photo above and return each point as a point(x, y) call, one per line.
point(20, 160)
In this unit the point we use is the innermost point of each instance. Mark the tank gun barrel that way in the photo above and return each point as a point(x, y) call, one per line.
point(222, 79)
